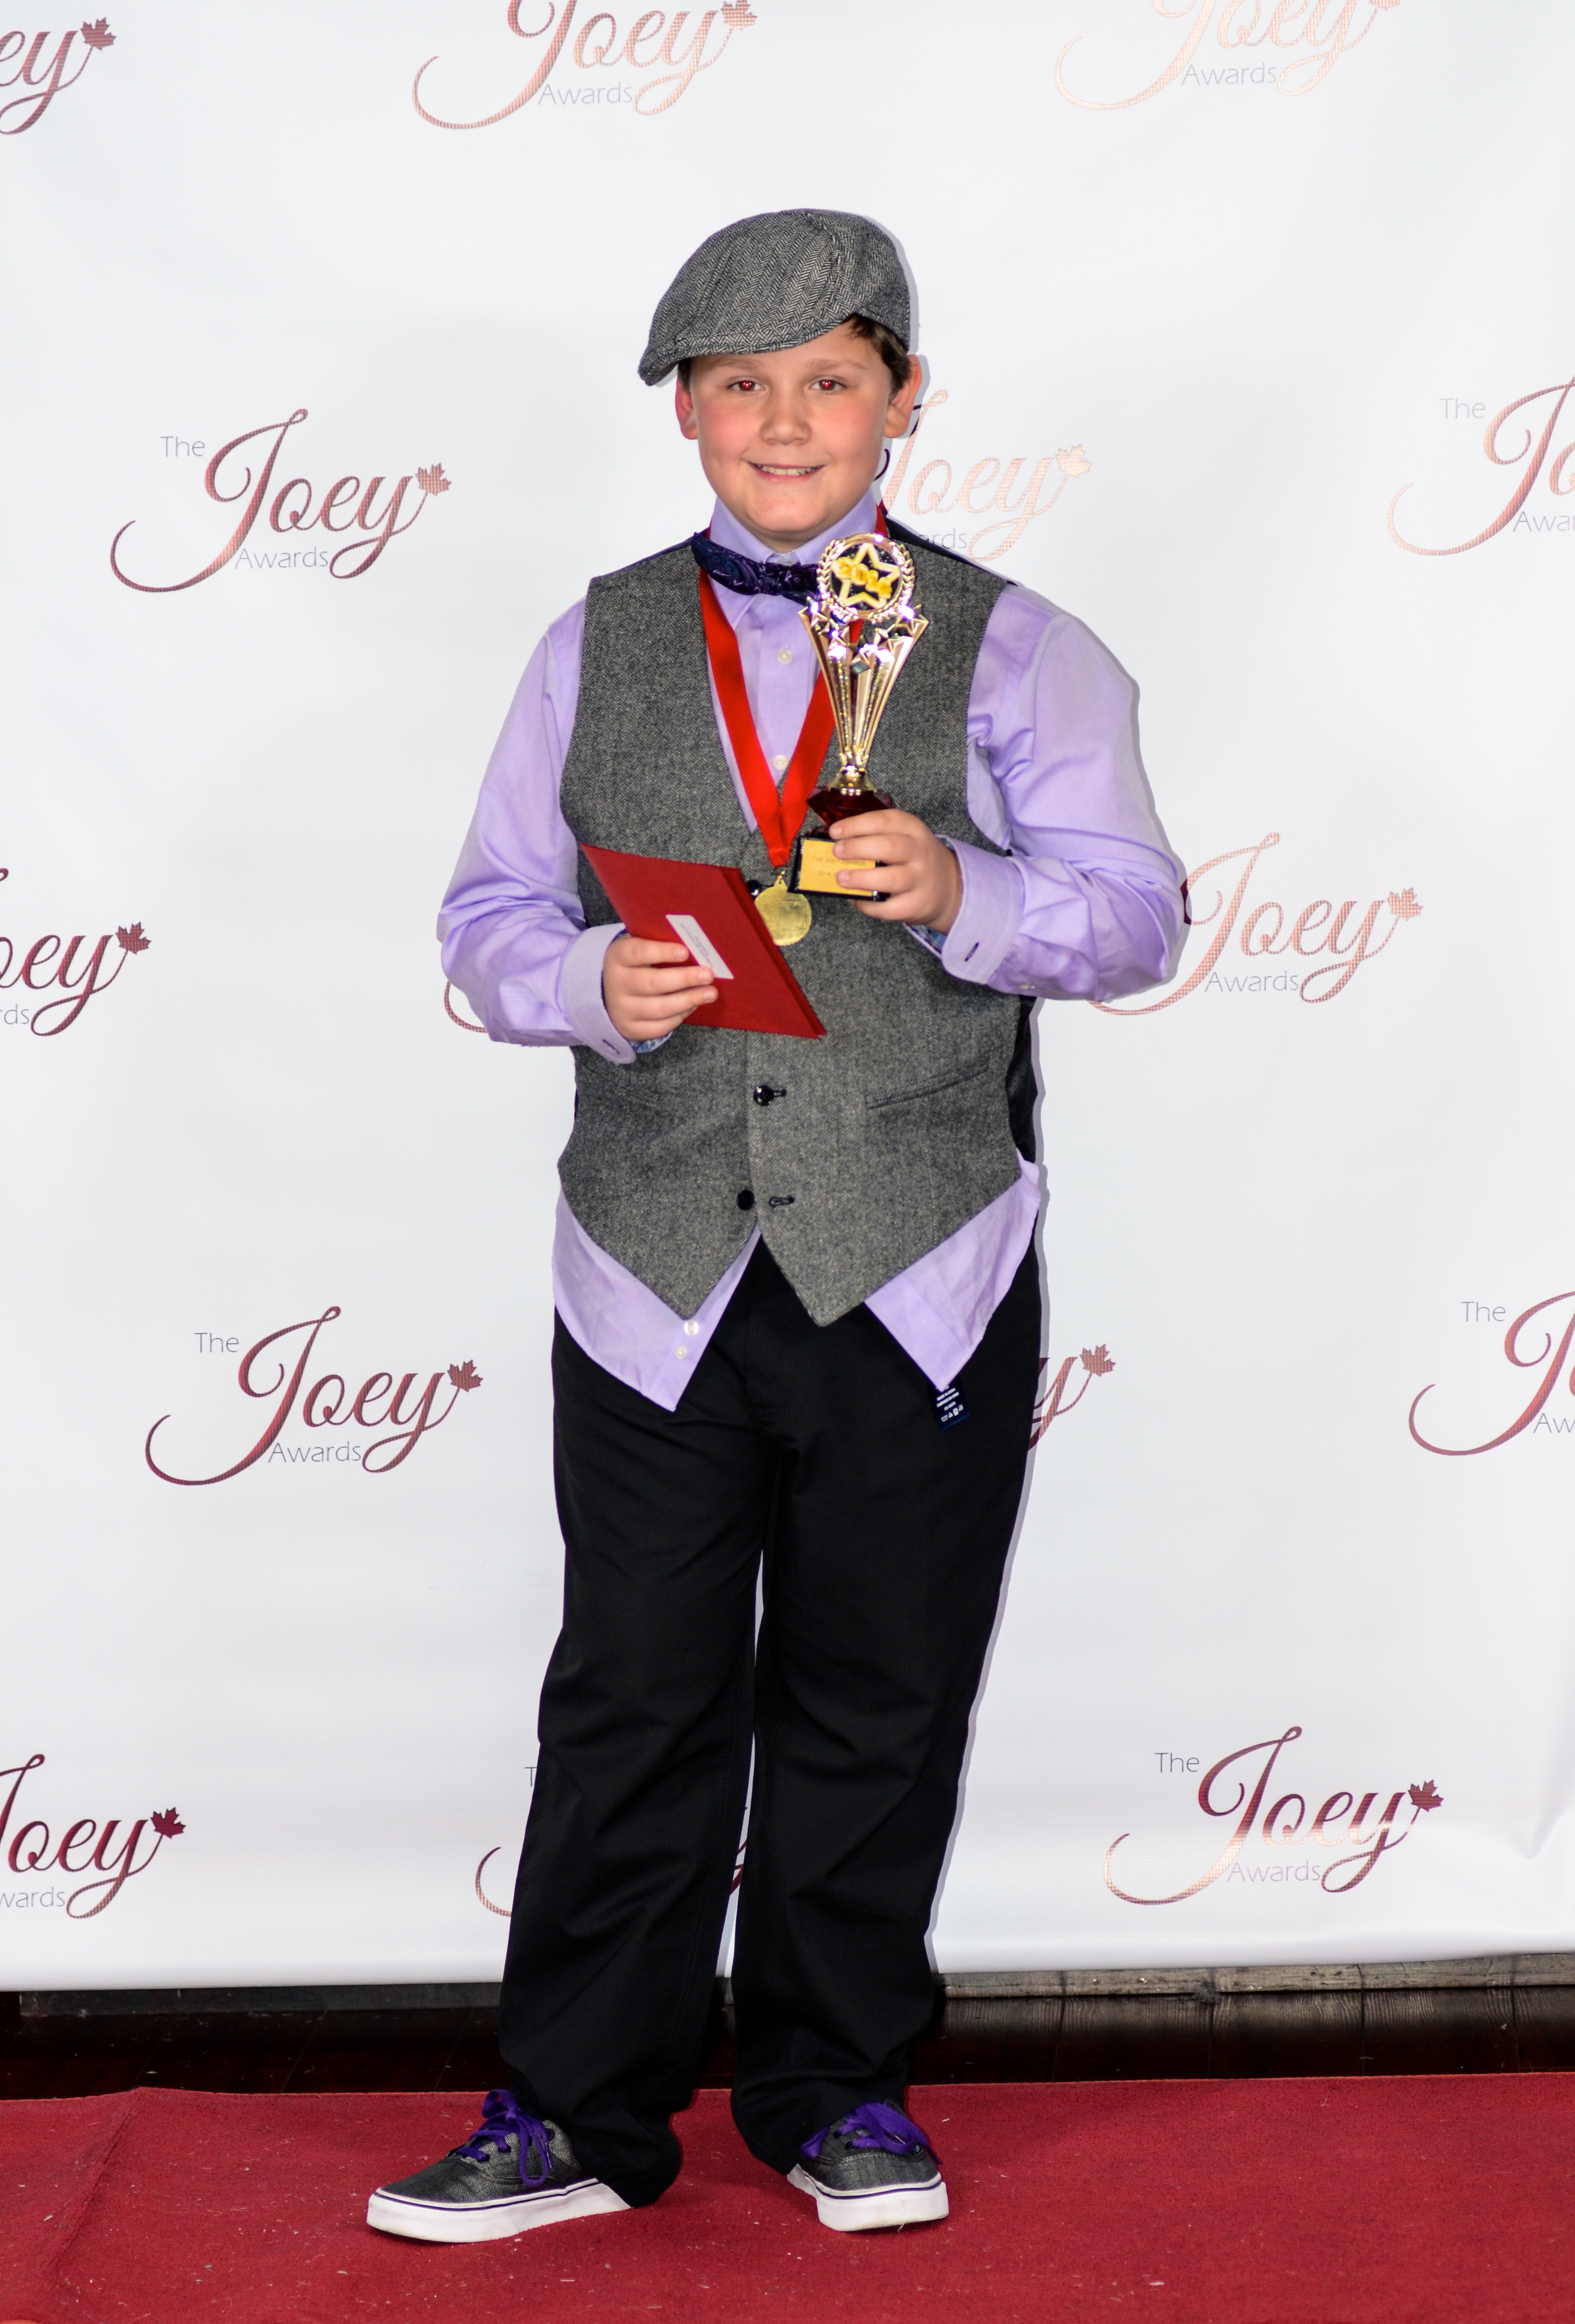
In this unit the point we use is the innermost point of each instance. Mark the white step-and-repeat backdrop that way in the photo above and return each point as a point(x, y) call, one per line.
point(1248, 328)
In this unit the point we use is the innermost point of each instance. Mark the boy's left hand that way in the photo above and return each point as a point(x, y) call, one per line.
point(920, 877)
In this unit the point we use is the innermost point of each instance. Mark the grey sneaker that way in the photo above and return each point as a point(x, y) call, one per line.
point(516, 2171)
point(872, 2168)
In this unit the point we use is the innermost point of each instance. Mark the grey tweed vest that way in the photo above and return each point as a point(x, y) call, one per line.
point(855, 1154)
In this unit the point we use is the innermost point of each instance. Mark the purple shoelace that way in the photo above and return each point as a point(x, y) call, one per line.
point(501, 2113)
point(877, 2128)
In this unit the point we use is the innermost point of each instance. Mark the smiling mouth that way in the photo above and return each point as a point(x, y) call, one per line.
point(763, 468)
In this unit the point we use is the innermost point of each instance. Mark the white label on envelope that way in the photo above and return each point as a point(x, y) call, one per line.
point(688, 931)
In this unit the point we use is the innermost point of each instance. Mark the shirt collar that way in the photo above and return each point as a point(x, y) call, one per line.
point(728, 533)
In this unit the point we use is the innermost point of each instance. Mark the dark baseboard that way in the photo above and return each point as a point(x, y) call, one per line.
point(205, 2000)
point(1480, 1972)
point(1511, 2015)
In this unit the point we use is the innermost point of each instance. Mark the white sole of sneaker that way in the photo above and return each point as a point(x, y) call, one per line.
point(486, 2223)
point(874, 2207)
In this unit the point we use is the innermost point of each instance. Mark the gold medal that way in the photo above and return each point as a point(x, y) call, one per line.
point(787, 914)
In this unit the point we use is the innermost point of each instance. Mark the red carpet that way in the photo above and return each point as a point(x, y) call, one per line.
point(1359, 2201)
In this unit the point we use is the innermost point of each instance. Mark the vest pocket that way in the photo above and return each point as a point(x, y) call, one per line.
point(939, 1081)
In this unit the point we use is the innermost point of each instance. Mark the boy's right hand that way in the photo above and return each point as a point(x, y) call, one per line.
point(650, 988)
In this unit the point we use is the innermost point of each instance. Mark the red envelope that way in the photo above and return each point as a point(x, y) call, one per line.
point(708, 908)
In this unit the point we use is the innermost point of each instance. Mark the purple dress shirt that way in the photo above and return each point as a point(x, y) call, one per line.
point(1086, 906)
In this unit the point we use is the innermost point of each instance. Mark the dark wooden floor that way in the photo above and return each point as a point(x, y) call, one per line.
point(1503, 2031)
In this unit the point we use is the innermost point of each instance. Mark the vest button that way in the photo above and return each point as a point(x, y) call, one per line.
point(764, 1092)
point(746, 1201)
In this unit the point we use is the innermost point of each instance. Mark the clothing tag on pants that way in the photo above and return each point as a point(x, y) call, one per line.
point(950, 1407)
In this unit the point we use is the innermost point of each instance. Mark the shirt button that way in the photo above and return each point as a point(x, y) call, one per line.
point(681, 1351)
point(783, 654)
point(780, 761)
point(691, 1329)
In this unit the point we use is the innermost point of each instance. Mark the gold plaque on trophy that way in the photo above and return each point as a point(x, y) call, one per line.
point(863, 623)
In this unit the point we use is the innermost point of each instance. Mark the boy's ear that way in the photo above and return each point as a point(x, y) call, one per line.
point(684, 405)
point(899, 411)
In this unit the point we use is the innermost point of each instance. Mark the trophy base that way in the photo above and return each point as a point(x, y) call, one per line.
point(832, 805)
point(818, 862)
point(819, 865)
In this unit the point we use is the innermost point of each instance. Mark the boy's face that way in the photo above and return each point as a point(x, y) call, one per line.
point(788, 442)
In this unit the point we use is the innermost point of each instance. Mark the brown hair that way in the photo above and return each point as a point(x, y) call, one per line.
point(884, 342)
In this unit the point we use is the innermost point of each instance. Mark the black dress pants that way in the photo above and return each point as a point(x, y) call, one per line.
point(809, 1458)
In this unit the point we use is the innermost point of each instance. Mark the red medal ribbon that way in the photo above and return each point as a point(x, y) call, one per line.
point(778, 817)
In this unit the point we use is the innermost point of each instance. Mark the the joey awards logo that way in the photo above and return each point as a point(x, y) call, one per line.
point(1523, 447)
point(41, 74)
point(644, 62)
point(1053, 1403)
point(1275, 941)
point(990, 502)
point(370, 515)
point(466, 1024)
point(47, 981)
point(272, 1372)
point(1291, 46)
point(81, 1871)
point(1537, 1342)
point(1335, 1852)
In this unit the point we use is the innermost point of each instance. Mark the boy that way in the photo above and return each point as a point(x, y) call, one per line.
point(785, 1271)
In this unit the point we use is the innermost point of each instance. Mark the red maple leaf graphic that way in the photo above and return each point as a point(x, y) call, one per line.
point(1405, 905)
point(465, 1375)
point(98, 35)
point(167, 1823)
point(1098, 1360)
point(132, 939)
point(432, 479)
point(1426, 1796)
point(738, 14)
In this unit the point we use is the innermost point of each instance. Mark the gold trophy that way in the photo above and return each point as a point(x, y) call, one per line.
point(863, 624)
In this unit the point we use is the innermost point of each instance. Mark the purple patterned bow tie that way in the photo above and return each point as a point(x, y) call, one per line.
point(750, 578)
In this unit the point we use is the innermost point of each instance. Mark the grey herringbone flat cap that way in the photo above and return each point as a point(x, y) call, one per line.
point(773, 282)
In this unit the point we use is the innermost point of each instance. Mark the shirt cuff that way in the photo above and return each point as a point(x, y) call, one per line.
point(988, 917)
point(581, 995)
